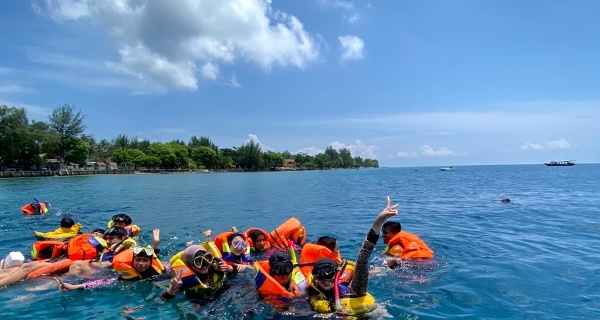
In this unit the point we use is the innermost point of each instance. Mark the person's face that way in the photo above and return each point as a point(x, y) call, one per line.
point(119, 224)
point(238, 246)
point(98, 234)
point(260, 243)
point(387, 235)
point(141, 264)
point(111, 240)
point(283, 279)
point(325, 284)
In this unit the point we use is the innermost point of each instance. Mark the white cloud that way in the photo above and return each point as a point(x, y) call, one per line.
point(163, 44)
point(441, 152)
point(350, 11)
point(210, 70)
point(560, 144)
point(357, 149)
point(557, 144)
point(352, 47)
point(405, 154)
point(529, 145)
point(310, 151)
point(14, 88)
point(233, 81)
point(4, 70)
point(253, 137)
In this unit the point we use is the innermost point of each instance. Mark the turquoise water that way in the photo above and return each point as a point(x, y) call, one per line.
point(534, 258)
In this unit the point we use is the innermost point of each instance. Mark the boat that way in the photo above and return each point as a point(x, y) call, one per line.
point(448, 169)
point(205, 171)
point(560, 163)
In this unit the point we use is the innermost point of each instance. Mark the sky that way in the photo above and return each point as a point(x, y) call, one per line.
point(410, 83)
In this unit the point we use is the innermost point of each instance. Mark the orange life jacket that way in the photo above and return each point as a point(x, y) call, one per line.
point(271, 290)
point(58, 267)
point(27, 209)
point(292, 229)
point(313, 252)
point(223, 246)
point(251, 244)
point(84, 247)
point(47, 249)
point(412, 247)
point(123, 264)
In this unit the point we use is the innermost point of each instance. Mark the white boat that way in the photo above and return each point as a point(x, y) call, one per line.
point(447, 169)
point(205, 171)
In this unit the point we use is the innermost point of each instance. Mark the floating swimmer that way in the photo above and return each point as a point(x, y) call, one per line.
point(505, 200)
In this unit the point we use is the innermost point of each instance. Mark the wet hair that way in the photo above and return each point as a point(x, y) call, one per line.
point(233, 235)
point(119, 232)
point(121, 217)
point(98, 230)
point(66, 222)
point(327, 242)
point(254, 234)
point(393, 226)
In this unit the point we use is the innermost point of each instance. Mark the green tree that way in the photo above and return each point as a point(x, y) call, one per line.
point(202, 142)
point(76, 150)
point(229, 153)
point(181, 153)
point(137, 157)
point(163, 152)
point(273, 160)
point(17, 139)
point(287, 155)
point(68, 125)
point(121, 156)
point(347, 159)
point(334, 156)
point(204, 156)
point(151, 162)
point(250, 155)
point(322, 160)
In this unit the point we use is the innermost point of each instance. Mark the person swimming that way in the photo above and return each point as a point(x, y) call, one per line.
point(505, 200)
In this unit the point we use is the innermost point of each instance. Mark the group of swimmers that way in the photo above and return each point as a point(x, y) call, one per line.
point(331, 283)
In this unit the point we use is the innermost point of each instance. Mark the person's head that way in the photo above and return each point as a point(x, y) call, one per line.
point(142, 258)
point(33, 205)
point(66, 222)
point(329, 243)
point(237, 244)
point(98, 233)
point(121, 220)
point(196, 257)
point(389, 230)
point(505, 200)
point(258, 239)
point(281, 267)
point(324, 272)
point(114, 235)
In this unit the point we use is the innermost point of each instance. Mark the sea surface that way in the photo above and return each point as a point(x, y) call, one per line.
point(537, 257)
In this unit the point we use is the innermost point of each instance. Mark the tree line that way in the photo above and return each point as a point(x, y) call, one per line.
point(63, 137)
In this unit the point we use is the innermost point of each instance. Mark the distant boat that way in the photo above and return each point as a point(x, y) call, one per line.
point(447, 169)
point(560, 163)
point(205, 171)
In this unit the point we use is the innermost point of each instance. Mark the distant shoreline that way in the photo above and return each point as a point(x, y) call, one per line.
point(74, 173)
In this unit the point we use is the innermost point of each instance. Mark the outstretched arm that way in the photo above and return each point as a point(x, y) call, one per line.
point(360, 280)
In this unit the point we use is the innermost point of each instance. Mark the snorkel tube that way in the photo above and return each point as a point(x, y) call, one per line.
point(336, 288)
point(293, 252)
point(39, 205)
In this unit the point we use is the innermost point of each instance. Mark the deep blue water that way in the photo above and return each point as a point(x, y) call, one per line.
point(534, 258)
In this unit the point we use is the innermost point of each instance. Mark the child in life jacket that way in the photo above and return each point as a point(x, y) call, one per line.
point(323, 274)
point(138, 263)
point(124, 221)
point(402, 244)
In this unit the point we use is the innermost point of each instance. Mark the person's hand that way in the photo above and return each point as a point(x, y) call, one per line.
point(388, 211)
point(207, 233)
point(65, 287)
point(189, 243)
point(156, 234)
point(242, 267)
point(234, 229)
point(175, 283)
point(223, 266)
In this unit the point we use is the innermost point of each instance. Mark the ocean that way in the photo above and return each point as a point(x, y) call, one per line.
point(536, 257)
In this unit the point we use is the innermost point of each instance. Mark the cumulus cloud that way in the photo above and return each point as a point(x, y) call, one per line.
point(311, 151)
point(164, 44)
point(352, 47)
point(441, 152)
point(405, 154)
point(253, 137)
point(357, 149)
point(556, 144)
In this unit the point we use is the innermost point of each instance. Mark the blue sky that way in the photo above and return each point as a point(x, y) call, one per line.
point(411, 83)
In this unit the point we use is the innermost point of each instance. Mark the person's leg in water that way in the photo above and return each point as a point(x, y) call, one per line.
point(360, 279)
point(12, 275)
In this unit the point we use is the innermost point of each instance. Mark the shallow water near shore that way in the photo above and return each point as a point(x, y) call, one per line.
point(534, 258)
